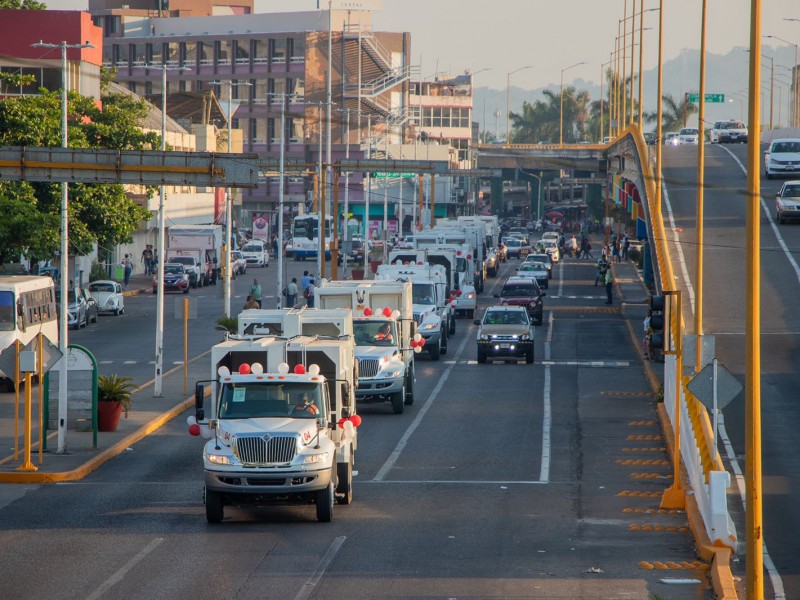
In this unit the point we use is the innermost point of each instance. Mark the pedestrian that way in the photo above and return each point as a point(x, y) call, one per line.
point(147, 259)
point(608, 281)
point(615, 250)
point(626, 243)
point(305, 281)
point(250, 304)
point(127, 265)
point(291, 293)
point(602, 267)
point(275, 245)
point(648, 336)
point(587, 250)
point(308, 294)
point(255, 291)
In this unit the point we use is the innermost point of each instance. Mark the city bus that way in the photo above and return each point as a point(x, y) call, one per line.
point(305, 236)
point(27, 307)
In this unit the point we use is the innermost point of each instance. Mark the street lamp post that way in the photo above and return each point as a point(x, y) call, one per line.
point(64, 258)
point(561, 98)
point(795, 95)
point(508, 100)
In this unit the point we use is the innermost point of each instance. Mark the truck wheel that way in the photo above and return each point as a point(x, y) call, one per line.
point(435, 351)
point(215, 511)
point(325, 504)
point(452, 329)
point(398, 400)
point(529, 356)
point(444, 342)
point(410, 387)
point(481, 357)
point(471, 314)
point(344, 485)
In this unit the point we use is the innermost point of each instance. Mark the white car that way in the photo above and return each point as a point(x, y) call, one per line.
point(671, 138)
point(728, 132)
point(551, 248)
point(782, 158)
point(545, 259)
point(551, 235)
point(688, 135)
point(787, 202)
point(108, 295)
point(256, 253)
point(534, 270)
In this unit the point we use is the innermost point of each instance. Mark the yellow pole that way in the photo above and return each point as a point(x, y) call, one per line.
point(641, 49)
point(673, 497)
point(624, 55)
point(27, 465)
point(335, 235)
point(421, 201)
point(16, 399)
point(601, 103)
point(321, 227)
point(633, 47)
point(185, 342)
point(753, 499)
point(659, 104)
point(698, 299)
point(40, 369)
point(611, 93)
point(618, 83)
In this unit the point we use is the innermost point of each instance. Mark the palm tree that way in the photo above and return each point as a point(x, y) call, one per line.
point(674, 114)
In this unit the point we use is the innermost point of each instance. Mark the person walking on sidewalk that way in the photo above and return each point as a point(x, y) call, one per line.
point(147, 259)
point(127, 266)
point(291, 293)
point(608, 281)
point(648, 336)
point(255, 291)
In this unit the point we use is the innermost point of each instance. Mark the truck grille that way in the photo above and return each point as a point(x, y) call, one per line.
point(368, 367)
point(419, 317)
point(264, 449)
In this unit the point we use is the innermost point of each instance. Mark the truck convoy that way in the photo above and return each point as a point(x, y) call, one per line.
point(384, 330)
point(450, 232)
point(281, 423)
point(198, 248)
point(432, 303)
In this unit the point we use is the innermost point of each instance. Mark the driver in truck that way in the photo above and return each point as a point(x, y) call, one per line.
point(384, 333)
point(305, 406)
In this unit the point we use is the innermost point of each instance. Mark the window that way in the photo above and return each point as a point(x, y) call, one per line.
point(258, 50)
point(241, 51)
point(277, 50)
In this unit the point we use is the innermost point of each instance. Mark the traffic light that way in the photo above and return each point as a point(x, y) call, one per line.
point(657, 322)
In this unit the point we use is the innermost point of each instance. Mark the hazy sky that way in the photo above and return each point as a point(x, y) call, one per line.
point(550, 35)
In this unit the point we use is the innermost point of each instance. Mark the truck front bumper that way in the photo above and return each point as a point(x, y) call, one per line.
point(374, 388)
point(267, 482)
point(505, 348)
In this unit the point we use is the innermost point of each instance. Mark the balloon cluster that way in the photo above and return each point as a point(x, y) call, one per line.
point(348, 426)
point(417, 343)
point(195, 429)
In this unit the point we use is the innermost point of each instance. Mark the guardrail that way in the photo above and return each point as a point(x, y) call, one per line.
point(705, 470)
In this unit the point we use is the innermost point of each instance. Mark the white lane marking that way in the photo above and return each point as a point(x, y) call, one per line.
point(130, 362)
point(544, 469)
point(120, 575)
point(395, 455)
point(587, 363)
point(677, 242)
point(105, 362)
point(774, 576)
point(311, 582)
point(456, 482)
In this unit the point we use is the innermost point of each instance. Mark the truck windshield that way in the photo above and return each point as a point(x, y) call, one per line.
point(423, 293)
point(182, 260)
point(375, 333)
point(461, 265)
point(253, 400)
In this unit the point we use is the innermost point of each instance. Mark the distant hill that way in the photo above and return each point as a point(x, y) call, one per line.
point(725, 74)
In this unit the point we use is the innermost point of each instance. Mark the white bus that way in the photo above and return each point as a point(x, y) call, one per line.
point(305, 236)
point(27, 307)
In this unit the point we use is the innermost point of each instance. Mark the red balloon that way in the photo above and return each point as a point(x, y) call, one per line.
point(458, 253)
point(340, 422)
point(469, 256)
point(355, 420)
point(299, 370)
point(413, 343)
point(458, 292)
point(244, 369)
point(368, 312)
point(387, 312)
point(421, 342)
point(194, 429)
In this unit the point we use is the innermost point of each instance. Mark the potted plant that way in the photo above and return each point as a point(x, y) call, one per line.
point(114, 397)
point(230, 325)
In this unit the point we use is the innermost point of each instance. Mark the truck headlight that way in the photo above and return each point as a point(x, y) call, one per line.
point(470, 296)
point(390, 374)
point(429, 326)
point(313, 459)
point(220, 459)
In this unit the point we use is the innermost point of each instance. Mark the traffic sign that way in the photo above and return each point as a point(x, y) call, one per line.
point(702, 386)
point(50, 353)
point(380, 175)
point(8, 361)
point(709, 97)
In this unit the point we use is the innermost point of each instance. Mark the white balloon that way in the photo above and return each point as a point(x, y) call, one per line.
point(313, 370)
point(223, 371)
point(206, 432)
point(349, 428)
point(395, 314)
point(417, 349)
point(191, 420)
point(256, 369)
point(417, 336)
point(283, 368)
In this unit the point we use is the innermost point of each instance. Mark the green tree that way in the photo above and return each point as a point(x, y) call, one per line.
point(541, 121)
point(22, 5)
point(102, 214)
point(674, 115)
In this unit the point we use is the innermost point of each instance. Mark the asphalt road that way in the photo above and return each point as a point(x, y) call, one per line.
point(726, 293)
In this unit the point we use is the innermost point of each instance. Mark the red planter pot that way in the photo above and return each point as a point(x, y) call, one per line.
point(108, 415)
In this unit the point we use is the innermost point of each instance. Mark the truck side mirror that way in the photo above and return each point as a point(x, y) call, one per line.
point(199, 399)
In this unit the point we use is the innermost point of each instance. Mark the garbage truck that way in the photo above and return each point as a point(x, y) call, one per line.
point(280, 422)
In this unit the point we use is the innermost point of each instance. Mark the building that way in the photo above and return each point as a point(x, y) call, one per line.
point(276, 63)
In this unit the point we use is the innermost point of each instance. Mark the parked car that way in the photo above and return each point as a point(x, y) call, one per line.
point(505, 332)
point(728, 132)
point(238, 263)
point(256, 252)
point(176, 279)
point(92, 307)
point(782, 157)
point(688, 135)
point(518, 291)
point(109, 296)
point(192, 267)
point(77, 308)
point(787, 202)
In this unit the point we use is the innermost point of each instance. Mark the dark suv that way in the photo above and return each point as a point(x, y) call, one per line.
point(523, 291)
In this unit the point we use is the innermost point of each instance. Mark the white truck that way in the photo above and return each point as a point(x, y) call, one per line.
point(199, 249)
point(491, 232)
point(384, 329)
point(453, 231)
point(281, 424)
point(459, 265)
point(431, 303)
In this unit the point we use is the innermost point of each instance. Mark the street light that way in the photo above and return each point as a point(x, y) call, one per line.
point(64, 259)
point(772, 84)
point(226, 262)
point(795, 95)
point(508, 100)
point(561, 97)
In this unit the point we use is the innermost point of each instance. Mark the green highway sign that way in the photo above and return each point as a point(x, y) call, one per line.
point(394, 175)
point(709, 97)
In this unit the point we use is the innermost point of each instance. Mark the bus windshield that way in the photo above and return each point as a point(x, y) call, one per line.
point(7, 321)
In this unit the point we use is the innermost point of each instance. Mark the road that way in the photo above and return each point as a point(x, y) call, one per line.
point(502, 480)
point(726, 290)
